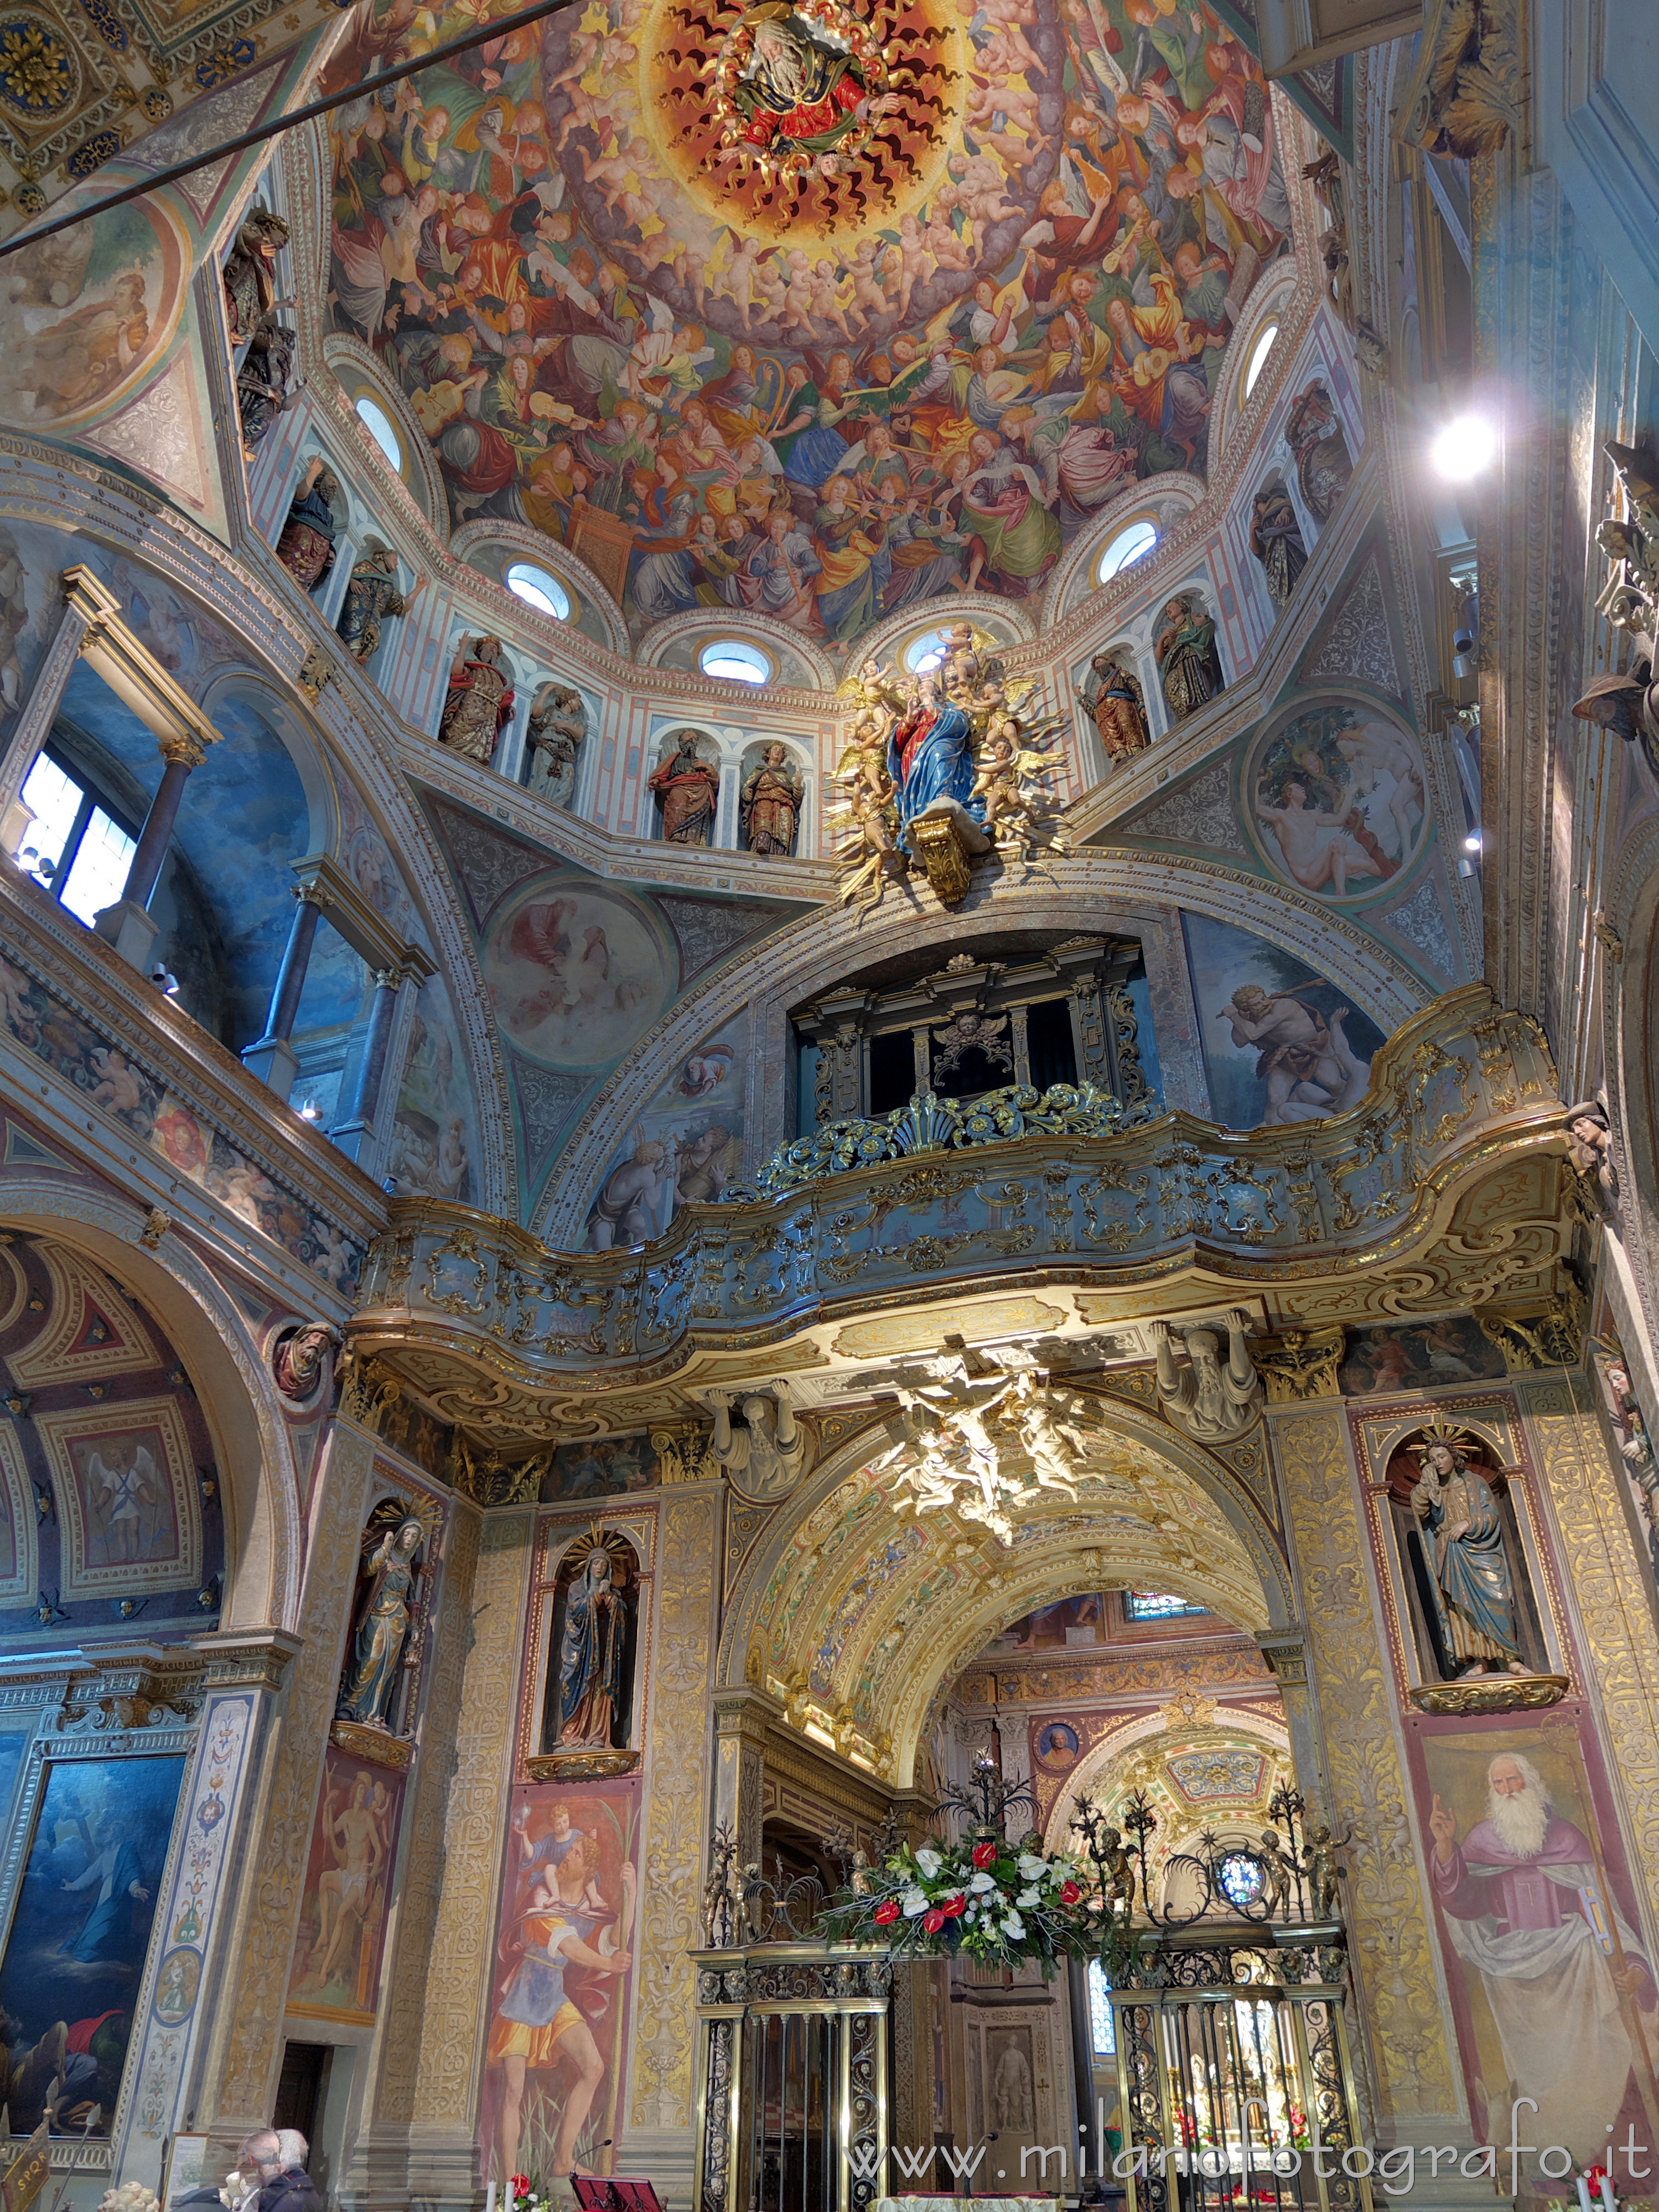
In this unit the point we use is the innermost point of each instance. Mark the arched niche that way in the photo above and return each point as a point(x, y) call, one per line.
point(588, 1660)
point(227, 1364)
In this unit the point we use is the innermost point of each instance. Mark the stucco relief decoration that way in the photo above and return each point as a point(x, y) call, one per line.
point(1626, 700)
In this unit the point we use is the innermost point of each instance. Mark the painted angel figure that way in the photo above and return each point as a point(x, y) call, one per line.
point(126, 1489)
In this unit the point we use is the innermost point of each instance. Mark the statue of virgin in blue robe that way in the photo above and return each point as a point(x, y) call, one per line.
point(593, 1659)
point(1474, 1589)
point(930, 757)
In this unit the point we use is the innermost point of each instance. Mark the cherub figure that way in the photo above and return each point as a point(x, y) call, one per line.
point(1279, 1874)
point(1014, 807)
point(863, 760)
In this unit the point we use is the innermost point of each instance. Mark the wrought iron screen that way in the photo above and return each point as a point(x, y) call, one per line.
point(792, 2079)
point(1235, 2088)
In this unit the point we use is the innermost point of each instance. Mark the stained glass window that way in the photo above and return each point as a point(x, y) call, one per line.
point(1160, 1605)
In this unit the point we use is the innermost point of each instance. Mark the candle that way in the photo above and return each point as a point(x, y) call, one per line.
point(1584, 2204)
point(490, 2199)
point(1609, 2200)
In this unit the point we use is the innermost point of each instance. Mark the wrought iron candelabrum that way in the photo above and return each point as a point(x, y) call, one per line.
point(1291, 1876)
point(988, 1798)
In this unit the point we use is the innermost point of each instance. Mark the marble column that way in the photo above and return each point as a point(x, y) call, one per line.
point(273, 1058)
point(127, 925)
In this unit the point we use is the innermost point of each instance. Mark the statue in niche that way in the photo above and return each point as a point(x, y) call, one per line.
point(687, 789)
point(1322, 463)
point(1114, 697)
point(1470, 1575)
point(372, 597)
point(1276, 541)
point(1186, 655)
point(1209, 1401)
point(297, 1362)
point(306, 548)
point(765, 1459)
point(553, 734)
point(249, 273)
point(262, 380)
point(1589, 1147)
point(479, 703)
point(594, 1685)
point(373, 1663)
point(770, 805)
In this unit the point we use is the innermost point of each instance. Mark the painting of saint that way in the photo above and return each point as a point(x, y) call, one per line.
point(1340, 799)
point(1553, 1989)
point(554, 2058)
point(337, 1955)
point(609, 1467)
point(1280, 1044)
point(577, 970)
point(934, 379)
point(1420, 1355)
point(88, 311)
point(69, 1980)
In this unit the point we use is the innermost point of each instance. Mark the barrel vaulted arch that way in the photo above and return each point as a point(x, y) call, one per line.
point(854, 1614)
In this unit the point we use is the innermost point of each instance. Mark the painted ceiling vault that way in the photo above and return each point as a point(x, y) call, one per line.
point(812, 313)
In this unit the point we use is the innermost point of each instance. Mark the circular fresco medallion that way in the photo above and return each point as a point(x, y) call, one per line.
point(577, 969)
point(1339, 799)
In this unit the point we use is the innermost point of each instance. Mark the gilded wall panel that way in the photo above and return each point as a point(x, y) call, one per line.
point(663, 1993)
point(1606, 1572)
point(474, 1826)
point(1388, 1912)
point(271, 1911)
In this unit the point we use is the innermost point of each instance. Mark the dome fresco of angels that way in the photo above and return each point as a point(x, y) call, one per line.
point(815, 312)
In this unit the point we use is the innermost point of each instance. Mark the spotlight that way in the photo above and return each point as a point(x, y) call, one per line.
point(166, 983)
point(310, 1111)
point(1472, 842)
point(1464, 448)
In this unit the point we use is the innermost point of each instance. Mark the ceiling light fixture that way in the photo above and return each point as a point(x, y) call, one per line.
point(1464, 449)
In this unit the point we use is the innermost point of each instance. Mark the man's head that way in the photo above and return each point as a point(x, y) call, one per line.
point(1517, 1803)
point(292, 2148)
point(260, 2158)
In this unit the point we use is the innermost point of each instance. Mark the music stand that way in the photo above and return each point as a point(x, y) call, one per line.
point(597, 2193)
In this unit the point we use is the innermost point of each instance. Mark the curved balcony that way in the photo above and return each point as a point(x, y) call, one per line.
point(1444, 1187)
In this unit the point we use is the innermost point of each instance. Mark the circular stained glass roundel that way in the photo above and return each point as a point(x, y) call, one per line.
point(539, 590)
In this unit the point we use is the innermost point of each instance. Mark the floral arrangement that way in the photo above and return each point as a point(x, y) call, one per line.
point(524, 2194)
point(1003, 1904)
point(129, 2196)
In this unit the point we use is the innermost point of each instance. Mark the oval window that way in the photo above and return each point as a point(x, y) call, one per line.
point(539, 590)
point(925, 654)
point(1129, 546)
point(378, 423)
point(1259, 352)
point(735, 661)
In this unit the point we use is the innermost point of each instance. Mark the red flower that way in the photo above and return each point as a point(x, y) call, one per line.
point(887, 1912)
point(1069, 1892)
point(954, 1905)
point(985, 1854)
point(932, 1921)
point(520, 2184)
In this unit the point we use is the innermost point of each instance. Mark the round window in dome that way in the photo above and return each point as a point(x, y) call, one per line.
point(735, 661)
point(539, 590)
point(1259, 352)
point(1130, 545)
point(378, 423)
point(927, 653)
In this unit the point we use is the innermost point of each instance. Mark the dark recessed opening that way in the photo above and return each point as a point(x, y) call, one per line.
point(892, 1070)
point(1050, 1044)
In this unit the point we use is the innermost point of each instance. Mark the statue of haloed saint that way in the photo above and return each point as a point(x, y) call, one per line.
point(377, 1647)
point(1474, 1589)
point(592, 1657)
point(796, 86)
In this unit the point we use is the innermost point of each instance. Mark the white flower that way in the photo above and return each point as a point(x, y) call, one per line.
point(929, 1861)
point(983, 1883)
point(1032, 1896)
point(1032, 1867)
point(1013, 1926)
point(915, 1901)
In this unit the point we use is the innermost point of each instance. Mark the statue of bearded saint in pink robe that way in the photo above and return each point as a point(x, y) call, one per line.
point(1513, 1895)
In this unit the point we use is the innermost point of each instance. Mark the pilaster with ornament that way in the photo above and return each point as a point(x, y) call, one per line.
point(442, 2155)
point(1607, 1587)
point(1409, 2029)
point(676, 1782)
point(191, 1952)
point(241, 2074)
